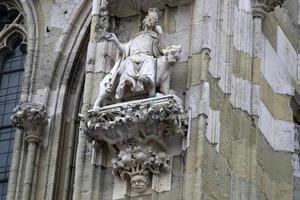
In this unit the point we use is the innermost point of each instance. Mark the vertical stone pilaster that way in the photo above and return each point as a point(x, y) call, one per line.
point(259, 10)
point(196, 96)
point(30, 119)
point(259, 13)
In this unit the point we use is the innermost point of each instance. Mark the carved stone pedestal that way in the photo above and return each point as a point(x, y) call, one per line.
point(143, 136)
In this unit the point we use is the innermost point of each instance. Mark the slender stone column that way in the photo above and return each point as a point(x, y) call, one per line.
point(259, 13)
point(30, 119)
point(259, 10)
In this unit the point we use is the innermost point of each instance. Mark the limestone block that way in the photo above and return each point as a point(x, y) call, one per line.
point(242, 26)
point(275, 72)
point(284, 133)
point(279, 133)
point(266, 123)
point(287, 53)
point(213, 127)
point(241, 93)
point(198, 101)
point(219, 66)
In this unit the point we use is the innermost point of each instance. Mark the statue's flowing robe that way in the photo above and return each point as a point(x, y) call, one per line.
point(138, 60)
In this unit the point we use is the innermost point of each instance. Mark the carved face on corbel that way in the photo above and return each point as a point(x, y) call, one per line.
point(139, 183)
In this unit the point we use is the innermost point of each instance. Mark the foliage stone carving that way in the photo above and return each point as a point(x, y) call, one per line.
point(136, 164)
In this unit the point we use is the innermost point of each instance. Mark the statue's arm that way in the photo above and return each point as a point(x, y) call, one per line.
point(161, 45)
point(113, 38)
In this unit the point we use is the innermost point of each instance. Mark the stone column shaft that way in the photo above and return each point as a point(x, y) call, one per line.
point(29, 170)
point(256, 61)
point(257, 33)
point(14, 168)
point(202, 122)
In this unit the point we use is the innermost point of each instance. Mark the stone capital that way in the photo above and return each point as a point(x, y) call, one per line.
point(137, 164)
point(30, 118)
point(261, 7)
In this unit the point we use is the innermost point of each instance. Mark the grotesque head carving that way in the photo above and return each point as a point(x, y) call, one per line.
point(139, 183)
point(172, 53)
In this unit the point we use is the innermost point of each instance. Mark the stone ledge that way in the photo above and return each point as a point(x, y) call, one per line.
point(144, 120)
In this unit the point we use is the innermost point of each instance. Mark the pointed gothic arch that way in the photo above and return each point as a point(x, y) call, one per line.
point(62, 101)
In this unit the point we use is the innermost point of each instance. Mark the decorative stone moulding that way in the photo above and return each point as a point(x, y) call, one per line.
point(119, 123)
point(30, 118)
point(141, 131)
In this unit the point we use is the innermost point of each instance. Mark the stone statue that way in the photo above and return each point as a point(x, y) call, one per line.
point(142, 65)
point(137, 67)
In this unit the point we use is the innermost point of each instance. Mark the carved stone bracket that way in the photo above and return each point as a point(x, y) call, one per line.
point(261, 7)
point(136, 164)
point(141, 131)
point(119, 123)
point(30, 118)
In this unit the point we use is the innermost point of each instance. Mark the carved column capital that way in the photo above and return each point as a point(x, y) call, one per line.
point(30, 118)
point(261, 7)
point(136, 164)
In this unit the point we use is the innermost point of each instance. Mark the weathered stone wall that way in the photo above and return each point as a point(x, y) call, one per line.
point(237, 76)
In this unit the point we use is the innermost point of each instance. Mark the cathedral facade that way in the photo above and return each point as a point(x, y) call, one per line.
point(149, 99)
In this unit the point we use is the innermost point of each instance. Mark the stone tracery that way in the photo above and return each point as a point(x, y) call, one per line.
point(12, 24)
